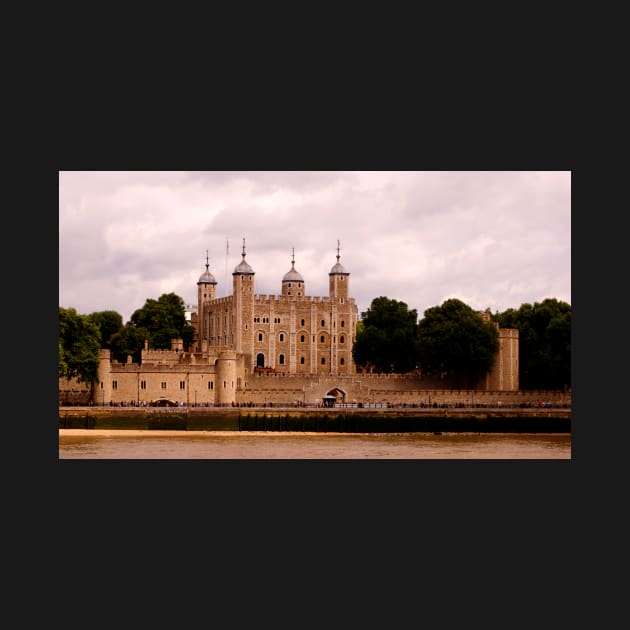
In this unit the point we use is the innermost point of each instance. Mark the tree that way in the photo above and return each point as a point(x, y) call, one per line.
point(109, 322)
point(454, 339)
point(164, 319)
point(386, 341)
point(79, 345)
point(544, 343)
point(129, 341)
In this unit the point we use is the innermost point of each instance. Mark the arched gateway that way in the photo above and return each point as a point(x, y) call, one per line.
point(338, 393)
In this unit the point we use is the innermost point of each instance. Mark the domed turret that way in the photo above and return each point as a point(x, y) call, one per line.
point(338, 279)
point(206, 277)
point(243, 267)
point(206, 293)
point(292, 281)
point(338, 267)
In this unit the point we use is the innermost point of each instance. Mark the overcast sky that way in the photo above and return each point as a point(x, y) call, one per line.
point(491, 239)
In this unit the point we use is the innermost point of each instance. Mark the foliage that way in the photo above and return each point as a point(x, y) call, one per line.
point(164, 319)
point(544, 343)
point(79, 345)
point(386, 341)
point(454, 339)
point(109, 322)
point(128, 341)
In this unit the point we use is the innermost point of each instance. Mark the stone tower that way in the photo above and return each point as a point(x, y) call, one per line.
point(243, 302)
point(338, 279)
point(206, 292)
point(292, 282)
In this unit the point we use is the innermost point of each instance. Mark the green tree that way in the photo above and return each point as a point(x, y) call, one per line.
point(544, 343)
point(454, 339)
point(79, 345)
point(129, 341)
point(164, 319)
point(109, 322)
point(386, 339)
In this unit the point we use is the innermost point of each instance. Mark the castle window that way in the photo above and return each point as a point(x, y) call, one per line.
point(246, 327)
point(182, 384)
point(322, 339)
point(342, 361)
point(301, 360)
point(224, 384)
point(114, 384)
point(343, 323)
point(323, 322)
point(288, 292)
point(210, 385)
point(281, 359)
point(281, 336)
point(163, 384)
point(143, 384)
point(299, 294)
point(323, 360)
point(276, 320)
point(301, 322)
point(302, 338)
point(260, 336)
point(342, 339)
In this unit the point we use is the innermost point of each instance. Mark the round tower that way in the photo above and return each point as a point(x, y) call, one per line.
point(243, 303)
point(292, 282)
point(225, 378)
point(102, 391)
point(339, 279)
point(206, 291)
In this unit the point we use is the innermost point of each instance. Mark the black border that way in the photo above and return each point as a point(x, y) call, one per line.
point(491, 502)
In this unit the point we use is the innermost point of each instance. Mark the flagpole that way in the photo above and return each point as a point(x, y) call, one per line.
point(227, 250)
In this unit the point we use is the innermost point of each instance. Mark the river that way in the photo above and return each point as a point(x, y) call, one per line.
point(130, 444)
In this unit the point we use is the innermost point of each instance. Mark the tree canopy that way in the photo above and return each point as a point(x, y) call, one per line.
point(157, 322)
point(129, 340)
point(386, 341)
point(544, 343)
point(109, 322)
point(454, 339)
point(79, 345)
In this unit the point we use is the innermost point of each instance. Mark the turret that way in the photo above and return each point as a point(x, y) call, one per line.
point(339, 279)
point(292, 282)
point(243, 284)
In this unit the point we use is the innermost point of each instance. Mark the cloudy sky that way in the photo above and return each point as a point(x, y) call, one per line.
point(493, 239)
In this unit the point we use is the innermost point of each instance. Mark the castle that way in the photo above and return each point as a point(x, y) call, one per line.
point(286, 348)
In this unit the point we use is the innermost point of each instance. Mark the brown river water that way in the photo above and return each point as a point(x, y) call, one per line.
point(129, 444)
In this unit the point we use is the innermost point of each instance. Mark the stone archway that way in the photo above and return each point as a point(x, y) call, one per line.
point(260, 360)
point(338, 393)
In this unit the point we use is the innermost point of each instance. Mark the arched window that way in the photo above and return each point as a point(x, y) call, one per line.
point(342, 339)
point(322, 339)
point(260, 336)
point(342, 361)
point(281, 359)
point(281, 336)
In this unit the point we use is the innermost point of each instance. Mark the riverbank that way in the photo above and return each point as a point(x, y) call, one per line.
point(318, 420)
